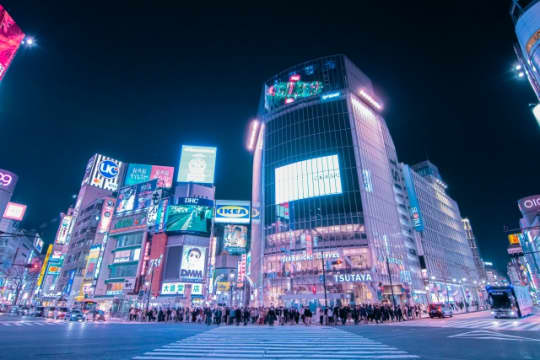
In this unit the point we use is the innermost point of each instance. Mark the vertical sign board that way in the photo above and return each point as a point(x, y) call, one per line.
point(11, 37)
point(416, 215)
point(44, 267)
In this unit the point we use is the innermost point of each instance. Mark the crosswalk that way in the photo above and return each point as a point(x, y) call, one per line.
point(284, 342)
point(493, 324)
point(23, 323)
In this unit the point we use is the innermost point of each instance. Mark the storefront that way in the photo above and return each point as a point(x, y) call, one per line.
point(299, 279)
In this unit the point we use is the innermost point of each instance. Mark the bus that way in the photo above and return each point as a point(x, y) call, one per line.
point(511, 301)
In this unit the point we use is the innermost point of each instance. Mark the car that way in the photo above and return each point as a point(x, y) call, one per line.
point(15, 310)
point(96, 315)
point(49, 312)
point(76, 315)
point(440, 311)
point(61, 312)
point(39, 311)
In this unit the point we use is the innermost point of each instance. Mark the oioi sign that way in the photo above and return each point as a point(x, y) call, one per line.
point(529, 204)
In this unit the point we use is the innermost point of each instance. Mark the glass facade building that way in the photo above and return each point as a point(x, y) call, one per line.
point(324, 188)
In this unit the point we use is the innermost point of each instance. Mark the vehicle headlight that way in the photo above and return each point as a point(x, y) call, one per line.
point(493, 313)
point(512, 312)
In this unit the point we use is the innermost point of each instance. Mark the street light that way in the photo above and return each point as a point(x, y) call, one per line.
point(29, 41)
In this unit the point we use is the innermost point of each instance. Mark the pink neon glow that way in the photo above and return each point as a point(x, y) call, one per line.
point(253, 134)
point(295, 77)
point(11, 37)
point(289, 100)
point(370, 99)
point(14, 211)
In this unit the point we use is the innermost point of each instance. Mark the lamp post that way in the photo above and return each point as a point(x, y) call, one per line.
point(390, 278)
point(231, 282)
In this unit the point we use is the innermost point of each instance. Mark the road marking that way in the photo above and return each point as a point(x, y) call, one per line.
point(257, 342)
point(491, 335)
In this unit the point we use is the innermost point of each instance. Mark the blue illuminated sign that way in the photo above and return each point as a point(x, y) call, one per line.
point(108, 169)
point(413, 200)
point(330, 96)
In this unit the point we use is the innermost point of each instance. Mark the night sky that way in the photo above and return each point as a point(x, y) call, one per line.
point(134, 81)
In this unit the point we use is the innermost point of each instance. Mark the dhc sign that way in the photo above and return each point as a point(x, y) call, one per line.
point(232, 212)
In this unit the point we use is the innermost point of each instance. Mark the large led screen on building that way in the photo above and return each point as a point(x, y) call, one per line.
point(309, 178)
point(197, 164)
point(103, 172)
point(136, 197)
point(193, 262)
point(235, 239)
point(232, 212)
point(11, 36)
point(8, 180)
point(191, 215)
point(139, 173)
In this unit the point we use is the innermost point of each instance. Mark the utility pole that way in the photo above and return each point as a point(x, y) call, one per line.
point(390, 277)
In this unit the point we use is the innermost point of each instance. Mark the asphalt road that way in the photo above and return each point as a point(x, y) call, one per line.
point(28, 338)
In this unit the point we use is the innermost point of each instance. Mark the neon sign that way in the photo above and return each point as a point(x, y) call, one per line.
point(288, 92)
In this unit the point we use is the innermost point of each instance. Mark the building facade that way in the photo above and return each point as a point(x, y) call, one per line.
point(447, 260)
point(478, 262)
point(329, 228)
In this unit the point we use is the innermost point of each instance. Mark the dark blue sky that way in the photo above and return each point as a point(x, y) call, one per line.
point(135, 80)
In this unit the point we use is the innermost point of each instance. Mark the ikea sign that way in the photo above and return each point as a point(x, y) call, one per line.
point(232, 212)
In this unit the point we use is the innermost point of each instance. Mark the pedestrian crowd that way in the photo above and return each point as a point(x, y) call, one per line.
point(337, 315)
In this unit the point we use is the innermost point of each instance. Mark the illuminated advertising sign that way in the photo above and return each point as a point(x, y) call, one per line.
point(193, 263)
point(235, 239)
point(103, 172)
point(139, 173)
point(513, 239)
point(38, 243)
point(416, 215)
point(191, 215)
point(196, 289)
point(130, 223)
point(153, 209)
point(286, 92)
point(241, 271)
point(92, 260)
point(8, 180)
point(173, 288)
point(136, 197)
point(14, 211)
point(197, 164)
point(354, 277)
point(11, 37)
point(161, 215)
point(106, 215)
point(529, 205)
point(63, 230)
point(232, 212)
point(44, 266)
point(69, 285)
point(307, 179)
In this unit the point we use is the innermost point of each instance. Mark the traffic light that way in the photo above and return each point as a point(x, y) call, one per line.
point(314, 290)
point(35, 266)
point(337, 262)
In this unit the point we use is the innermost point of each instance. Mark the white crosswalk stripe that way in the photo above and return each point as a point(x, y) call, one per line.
point(283, 342)
point(526, 324)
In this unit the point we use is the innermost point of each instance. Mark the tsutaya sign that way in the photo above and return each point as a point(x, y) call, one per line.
point(354, 277)
point(305, 257)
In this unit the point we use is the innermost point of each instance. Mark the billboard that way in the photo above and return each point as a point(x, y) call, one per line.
point(197, 164)
point(107, 212)
point(14, 211)
point(11, 37)
point(309, 178)
point(135, 197)
point(191, 215)
point(232, 212)
point(529, 205)
point(44, 266)
point(8, 180)
point(103, 172)
point(416, 215)
point(193, 263)
point(235, 239)
point(139, 173)
point(92, 260)
point(63, 230)
point(38, 243)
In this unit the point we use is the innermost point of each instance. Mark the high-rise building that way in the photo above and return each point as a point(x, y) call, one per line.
point(326, 221)
point(446, 256)
point(102, 177)
point(530, 239)
point(526, 17)
point(478, 262)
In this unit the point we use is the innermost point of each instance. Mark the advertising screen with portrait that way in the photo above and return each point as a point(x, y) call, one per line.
point(193, 263)
point(235, 239)
point(197, 164)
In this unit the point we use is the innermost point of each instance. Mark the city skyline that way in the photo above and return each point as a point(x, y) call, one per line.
point(117, 125)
